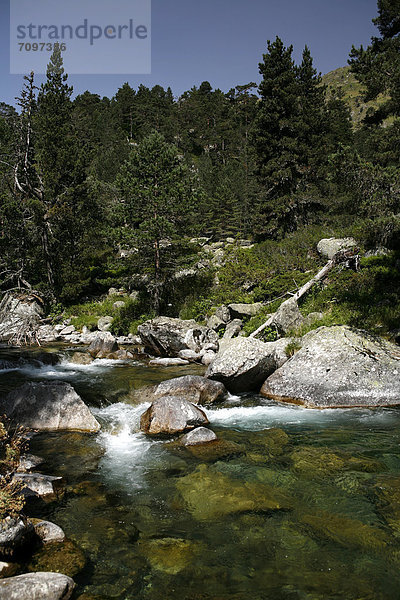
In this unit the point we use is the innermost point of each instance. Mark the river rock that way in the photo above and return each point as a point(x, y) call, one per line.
point(48, 406)
point(168, 362)
point(104, 323)
point(39, 485)
point(339, 367)
point(328, 247)
point(103, 345)
point(68, 330)
point(287, 317)
point(80, 358)
point(200, 435)
point(192, 388)
point(171, 414)
point(8, 569)
point(60, 557)
point(37, 586)
point(169, 555)
point(209, 494)
point(189, 355)
point(48, 532)
point(240, 311)
point(207, 358)
point(16, 536)
point(243, 363)
point(27, 462)
point(165, 336)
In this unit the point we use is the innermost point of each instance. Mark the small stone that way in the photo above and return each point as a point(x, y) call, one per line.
point(47, 531)
point(119, 304)
point(40, 485)
point(200, 435)
point(68, 330)
point(168, 362)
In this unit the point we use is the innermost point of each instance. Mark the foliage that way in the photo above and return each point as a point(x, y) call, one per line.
point(292, 347)
point(12, 444)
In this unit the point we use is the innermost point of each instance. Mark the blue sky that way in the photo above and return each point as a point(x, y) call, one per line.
point(222, 41)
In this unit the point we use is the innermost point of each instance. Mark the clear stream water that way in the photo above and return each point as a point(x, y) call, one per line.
point(293, 503)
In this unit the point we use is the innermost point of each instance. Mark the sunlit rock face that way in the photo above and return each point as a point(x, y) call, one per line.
point(339, 367)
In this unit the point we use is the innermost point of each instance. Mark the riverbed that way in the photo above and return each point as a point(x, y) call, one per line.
point(295, 504)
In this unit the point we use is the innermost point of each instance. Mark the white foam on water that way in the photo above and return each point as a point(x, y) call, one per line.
point(254, 418)
point(63, 370)
point(125, 460)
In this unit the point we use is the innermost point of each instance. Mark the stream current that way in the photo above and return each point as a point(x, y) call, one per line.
point(294, 504)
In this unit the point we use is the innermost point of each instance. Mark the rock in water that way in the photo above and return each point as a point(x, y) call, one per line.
point(200, 435)
point(209, 494)
point(15, 537)
point(192, 388)
point(103, 345)
point(244, 363)
point(339, 367)
point(48, 406)
point(37, 586)
point(171, 414)
point(165, 336)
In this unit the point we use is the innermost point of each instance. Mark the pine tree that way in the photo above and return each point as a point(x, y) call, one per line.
point(158, 199)
point(275, 138)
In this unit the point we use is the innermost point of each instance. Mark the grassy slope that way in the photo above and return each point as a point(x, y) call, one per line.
point(353, 91)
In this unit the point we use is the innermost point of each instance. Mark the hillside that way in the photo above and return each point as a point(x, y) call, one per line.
point(342, 78)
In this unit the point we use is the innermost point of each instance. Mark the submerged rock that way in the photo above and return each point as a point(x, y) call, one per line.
point(344, 531)
point(48, 406)
point(169, 415)
point(193, 388)
point(165, 336)
point(81, 358)
point(169, 555)
point(209, 494)
point(59, 557)
point(243, 363)
point(339, 367)
point(322, 462)
point(37, 586)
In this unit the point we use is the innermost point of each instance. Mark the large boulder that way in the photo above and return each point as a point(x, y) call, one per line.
point(244, 363)
point(192, 388)
point(104, 323)
point(48, 406)
point(21, 317)
point(37, 586)
point(103, 344)
point(287, 317)
point(169, 415)
point(165, 336)
point(328, 247)
point(339, 367)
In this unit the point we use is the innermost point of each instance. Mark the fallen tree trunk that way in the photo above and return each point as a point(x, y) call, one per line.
point(340, 257)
